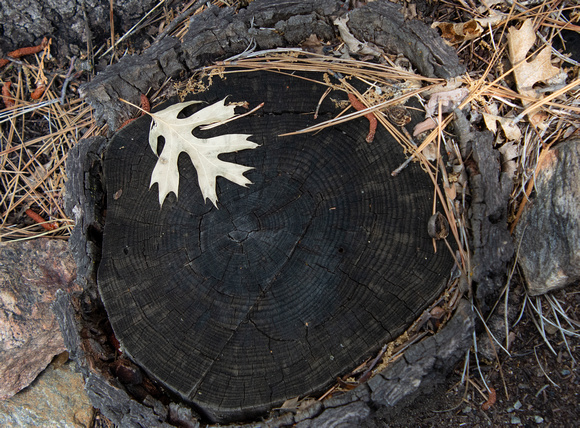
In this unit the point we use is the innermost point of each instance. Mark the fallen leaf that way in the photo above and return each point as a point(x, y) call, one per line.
point(510, 151)
point(426, 125)
point(489, 3)
point(490, 122)
point(313, 44)
point(448, 99)
point(511, 130)
point(459, 32)
point(528, 73)
point(291, 403)
point(354, 45)
point(430, 151)
point(203, 152)
point(450, 192)
point(493, 19)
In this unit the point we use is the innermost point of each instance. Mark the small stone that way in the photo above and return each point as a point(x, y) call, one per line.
point(565, 372)
point(515, 420)
point(522, 386)
point(30, 273)
point(467, 409)
point(538, 419)
point(550, 329)
point(518, 405)
point(549, 228)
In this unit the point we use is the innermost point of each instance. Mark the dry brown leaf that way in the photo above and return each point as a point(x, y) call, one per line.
point(448, 99)
point(493, 19)
point(291, 403)
point(450, 192)
point(426, 125)
point(459, 32)
point(511, 131)
point(313, 44)
point(430, 152)
point(490, 122)
point(528, 73)
point(510, 151)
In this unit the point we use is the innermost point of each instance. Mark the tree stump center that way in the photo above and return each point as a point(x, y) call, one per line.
point(294, 280)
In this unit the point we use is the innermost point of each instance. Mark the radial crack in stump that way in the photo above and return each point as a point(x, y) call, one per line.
point(294, 280)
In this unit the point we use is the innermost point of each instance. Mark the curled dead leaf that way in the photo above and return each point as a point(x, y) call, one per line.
point(510, 129)
point(527, 73)
point(438, 226)
point(459, 32)
point(426, 125)
point(448, 100)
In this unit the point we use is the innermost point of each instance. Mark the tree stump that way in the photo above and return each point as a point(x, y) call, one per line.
point(294, 280)
point(302, 260)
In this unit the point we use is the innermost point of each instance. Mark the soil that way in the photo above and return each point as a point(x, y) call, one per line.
point(525, 396)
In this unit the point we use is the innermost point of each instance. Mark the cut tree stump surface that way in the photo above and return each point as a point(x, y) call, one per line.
point(294, 280)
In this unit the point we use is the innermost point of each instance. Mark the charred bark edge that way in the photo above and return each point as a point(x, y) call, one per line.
point(218, 33)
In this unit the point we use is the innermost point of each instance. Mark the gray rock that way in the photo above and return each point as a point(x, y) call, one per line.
point(56, 399)
point(30, 274)
point(549, 229)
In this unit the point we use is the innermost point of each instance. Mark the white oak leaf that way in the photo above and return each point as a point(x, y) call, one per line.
point(203, 152)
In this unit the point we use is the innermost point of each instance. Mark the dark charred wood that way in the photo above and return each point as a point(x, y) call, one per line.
point(292, 280)
point(492, 246)
point(218, 33)
point(382, 23)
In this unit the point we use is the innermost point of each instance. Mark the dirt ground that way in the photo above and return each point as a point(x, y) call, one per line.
point(534, 386)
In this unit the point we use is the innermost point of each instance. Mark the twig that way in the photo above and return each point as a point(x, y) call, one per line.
point(112, 28)
point(21, 110)
point(368, 371)
point(477, 360)
point(543, 371)
point(67, 79)
point(246, 53)
point(328, 90)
